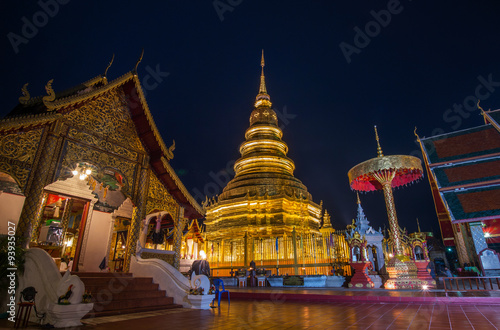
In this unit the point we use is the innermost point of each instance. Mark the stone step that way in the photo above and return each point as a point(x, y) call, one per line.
point(124, 295)
point(120, 281)
point(99, 274)
point(118, 304)
point(93, 313)
point(121, 293)
point(117, 287)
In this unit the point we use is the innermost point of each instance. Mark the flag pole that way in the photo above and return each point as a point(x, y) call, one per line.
point(277, 258)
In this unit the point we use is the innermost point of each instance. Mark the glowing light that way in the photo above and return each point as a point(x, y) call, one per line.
point(391, 255)
point(425, 287)
point(75, 172)
point(88, 171)
point(487, 235)
point(203, 255)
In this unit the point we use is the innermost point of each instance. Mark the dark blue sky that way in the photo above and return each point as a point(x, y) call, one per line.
point(410, 72)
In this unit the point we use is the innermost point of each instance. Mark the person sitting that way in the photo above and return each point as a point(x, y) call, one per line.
point(447, 272)
point(63, 266)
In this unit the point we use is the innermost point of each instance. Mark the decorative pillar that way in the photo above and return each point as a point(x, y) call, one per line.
point(245, 239)
point(295, 262)
point(38, 219)
point(138, 214)
point(34, 194)
point(463, 256)
point(179, 226)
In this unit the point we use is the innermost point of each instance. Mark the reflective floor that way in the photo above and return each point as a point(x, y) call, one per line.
point(280, 314)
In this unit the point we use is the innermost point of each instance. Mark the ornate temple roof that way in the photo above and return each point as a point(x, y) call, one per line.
point(41, 110)
point(464, 172)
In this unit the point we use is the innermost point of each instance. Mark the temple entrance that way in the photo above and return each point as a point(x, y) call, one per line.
point(64, 219)
point(118, 244)
point(60, 230)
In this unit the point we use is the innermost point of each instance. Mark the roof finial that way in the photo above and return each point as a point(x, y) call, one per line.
point(418, 225)
point(359, 202)
point(109, 65)
point(379, 149)
point(26, 95)
point(138, 61)
point(262, 98)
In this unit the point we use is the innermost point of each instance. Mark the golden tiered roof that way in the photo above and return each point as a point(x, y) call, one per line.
point(264, 198)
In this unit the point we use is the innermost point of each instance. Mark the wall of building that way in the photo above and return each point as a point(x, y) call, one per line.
point(96, 249)
point(10, 209)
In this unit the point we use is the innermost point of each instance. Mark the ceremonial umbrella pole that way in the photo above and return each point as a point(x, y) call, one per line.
point(384, 173)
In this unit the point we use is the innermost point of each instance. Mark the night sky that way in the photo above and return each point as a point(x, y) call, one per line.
point(333, 70)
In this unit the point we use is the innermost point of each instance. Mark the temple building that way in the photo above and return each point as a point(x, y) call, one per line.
point(85, 174)
point(463, 169)
point(265, 214)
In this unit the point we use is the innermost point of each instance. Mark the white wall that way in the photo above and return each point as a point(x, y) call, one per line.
point(10, 210)
point(97, 245)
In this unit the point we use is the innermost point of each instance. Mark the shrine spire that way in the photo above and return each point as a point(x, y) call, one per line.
point(379, 148)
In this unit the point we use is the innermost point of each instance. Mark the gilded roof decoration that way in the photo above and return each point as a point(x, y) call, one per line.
point(48, 99)
point(108, 116)
point(102, 144)
point(21, 146)
point(26, 95)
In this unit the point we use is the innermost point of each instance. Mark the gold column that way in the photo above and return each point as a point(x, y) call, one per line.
point(38, 221)
point(294, 242)
point(138, 214)
point(245, 261)
point(34, 194)
point(179, 226)
point(385, 180)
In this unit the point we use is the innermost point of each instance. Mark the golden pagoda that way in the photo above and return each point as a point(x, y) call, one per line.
point(264, 213)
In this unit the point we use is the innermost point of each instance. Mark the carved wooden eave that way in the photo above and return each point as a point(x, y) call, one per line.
point(28, 121)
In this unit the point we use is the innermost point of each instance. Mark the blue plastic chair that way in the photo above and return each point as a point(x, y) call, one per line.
point(218, 292)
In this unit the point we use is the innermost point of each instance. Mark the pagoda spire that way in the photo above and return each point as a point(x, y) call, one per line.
point(379, 148)
point(262, 98)
point(262, 88)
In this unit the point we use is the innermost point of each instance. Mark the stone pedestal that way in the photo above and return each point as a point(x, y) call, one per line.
point(242, 281)
point(334, 281)
point(67, 315)
point(360, 279)
point(261, 280)
point(423, 274)
point(275, 281)
point(315, 281)
point(377, 281)
point(201, 301)
point(402, 274)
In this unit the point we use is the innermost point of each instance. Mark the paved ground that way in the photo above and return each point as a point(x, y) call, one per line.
point(278, 314)
point(320, 308)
